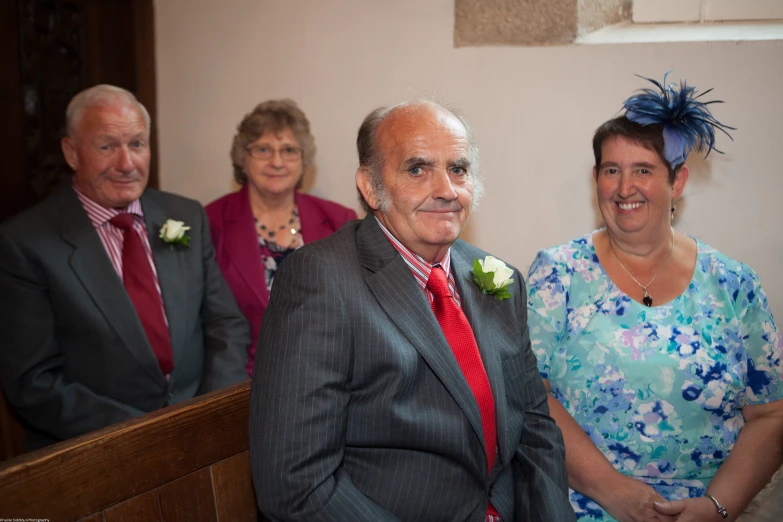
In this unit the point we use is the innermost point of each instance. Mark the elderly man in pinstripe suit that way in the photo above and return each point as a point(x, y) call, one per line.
point(388, 386)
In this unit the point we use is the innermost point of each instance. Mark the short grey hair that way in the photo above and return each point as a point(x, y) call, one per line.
point(97, 96)
point(371, 158)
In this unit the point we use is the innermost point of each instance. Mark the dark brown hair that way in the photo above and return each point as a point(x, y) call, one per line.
point(648, 136)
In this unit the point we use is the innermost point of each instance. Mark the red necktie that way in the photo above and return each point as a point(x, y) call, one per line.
point(459, 334)
point(140, 284)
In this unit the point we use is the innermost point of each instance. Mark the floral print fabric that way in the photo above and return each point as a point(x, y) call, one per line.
point(659, 390)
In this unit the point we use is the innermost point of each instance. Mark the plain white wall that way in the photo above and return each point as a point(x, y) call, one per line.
point(533, 111)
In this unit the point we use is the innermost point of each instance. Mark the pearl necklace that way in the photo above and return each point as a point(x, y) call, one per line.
point(647, 299)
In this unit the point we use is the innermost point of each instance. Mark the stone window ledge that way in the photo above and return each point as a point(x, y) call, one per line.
point(628, 32)
point(565, 22)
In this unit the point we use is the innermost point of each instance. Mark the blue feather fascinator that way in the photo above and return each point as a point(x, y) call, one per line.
point(687, 122)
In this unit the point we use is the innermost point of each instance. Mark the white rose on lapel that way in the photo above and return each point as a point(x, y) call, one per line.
point(175, 233)
point(493, 277)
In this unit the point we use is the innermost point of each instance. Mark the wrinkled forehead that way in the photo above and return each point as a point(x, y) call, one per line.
point(419, 128)
point(111, 118)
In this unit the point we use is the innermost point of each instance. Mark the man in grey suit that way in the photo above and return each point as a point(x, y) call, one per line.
point(387, 386)
point(94, 331)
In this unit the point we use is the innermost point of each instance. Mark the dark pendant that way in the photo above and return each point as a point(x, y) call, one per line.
point(647, 300)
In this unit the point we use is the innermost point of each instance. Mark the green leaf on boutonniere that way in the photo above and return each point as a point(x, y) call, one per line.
point(484, 281)
point(487, 282)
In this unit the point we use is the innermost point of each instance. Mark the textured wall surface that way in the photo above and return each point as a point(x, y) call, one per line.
point(595, 14)
point(514, 22)
point(532, 22)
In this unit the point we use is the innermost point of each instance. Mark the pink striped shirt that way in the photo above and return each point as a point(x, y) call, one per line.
point(113, 237)
point(421, 268)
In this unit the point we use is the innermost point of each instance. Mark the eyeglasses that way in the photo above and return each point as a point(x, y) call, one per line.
point(264, 152)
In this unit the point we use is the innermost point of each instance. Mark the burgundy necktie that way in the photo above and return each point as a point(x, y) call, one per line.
point(459, 334)
point(140, 284)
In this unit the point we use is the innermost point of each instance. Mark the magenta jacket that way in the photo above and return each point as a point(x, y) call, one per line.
point(239, 256)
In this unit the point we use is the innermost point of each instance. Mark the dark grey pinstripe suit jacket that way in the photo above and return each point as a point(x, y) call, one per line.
point(359, 411)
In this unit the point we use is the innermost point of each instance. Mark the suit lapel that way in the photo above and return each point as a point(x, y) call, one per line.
point(92, 266)
point(241, 244)
point(171, 269)
point(483, 313)
point(402, 299)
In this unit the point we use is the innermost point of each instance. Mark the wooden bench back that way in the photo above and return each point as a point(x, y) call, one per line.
point(11, 432)
point(187, 462)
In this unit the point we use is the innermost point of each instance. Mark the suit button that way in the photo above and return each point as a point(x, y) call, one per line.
point(491, 490)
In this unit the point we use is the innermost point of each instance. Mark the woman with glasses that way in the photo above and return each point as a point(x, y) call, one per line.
point(255, 228)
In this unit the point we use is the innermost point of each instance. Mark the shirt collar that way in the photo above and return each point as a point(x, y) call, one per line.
point(415, 261)
point(100, 215)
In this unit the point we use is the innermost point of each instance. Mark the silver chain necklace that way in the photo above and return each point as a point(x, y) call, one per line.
point(647, 299)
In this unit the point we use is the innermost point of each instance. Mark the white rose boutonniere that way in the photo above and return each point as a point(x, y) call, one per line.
point(493, 277)
point(175, 233)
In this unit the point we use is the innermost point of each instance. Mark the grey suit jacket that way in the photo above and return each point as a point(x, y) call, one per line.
point(360, 412)
point(74, 355)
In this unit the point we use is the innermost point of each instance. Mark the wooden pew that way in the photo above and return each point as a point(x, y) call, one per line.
point(11, 432)
point(187, 462)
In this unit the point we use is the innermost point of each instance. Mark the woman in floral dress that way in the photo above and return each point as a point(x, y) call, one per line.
point(661, 354)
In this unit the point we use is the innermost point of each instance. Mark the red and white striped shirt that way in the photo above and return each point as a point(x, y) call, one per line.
point(113, 237)
point(421, 268)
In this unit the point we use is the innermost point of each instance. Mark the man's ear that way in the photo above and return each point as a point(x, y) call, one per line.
point(69, 151)
point(364, 184)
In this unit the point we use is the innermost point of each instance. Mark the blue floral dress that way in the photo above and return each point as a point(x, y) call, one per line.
point(659, 390)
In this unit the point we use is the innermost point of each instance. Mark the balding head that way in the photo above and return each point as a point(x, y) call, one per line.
point(371, 151)
point(418, 174)
point(107, 145)
point(100, 96)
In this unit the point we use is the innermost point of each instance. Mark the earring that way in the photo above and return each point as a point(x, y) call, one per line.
point(672, 209)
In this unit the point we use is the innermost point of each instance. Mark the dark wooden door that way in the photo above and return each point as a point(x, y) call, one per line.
point(49, 51)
